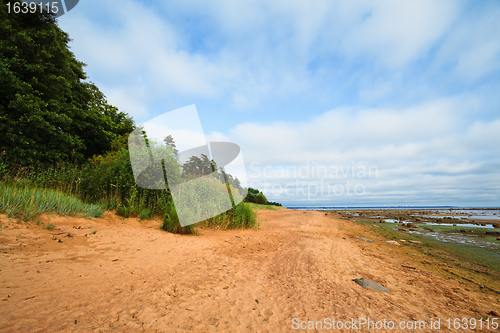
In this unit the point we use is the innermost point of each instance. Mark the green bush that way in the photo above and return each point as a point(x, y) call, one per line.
point(240, 216)
point(123, 211)
point(256, 196)
point(261, 199)
point(171, 222)
point(146, 214)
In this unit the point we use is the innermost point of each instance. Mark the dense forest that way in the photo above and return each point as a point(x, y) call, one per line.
point(59, 133)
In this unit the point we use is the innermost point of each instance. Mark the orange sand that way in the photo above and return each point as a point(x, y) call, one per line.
point(132, 277)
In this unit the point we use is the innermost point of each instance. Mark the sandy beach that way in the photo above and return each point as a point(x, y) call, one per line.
point(130, 276)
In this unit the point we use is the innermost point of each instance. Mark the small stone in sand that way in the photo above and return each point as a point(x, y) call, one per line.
point(415, 242)
point(366, 240)
point(371, 285)
point(393, 242)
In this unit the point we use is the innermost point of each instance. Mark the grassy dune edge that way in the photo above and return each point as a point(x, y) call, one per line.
point(26, 203)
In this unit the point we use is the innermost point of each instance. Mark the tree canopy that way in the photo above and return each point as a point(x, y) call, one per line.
point(48, 112)
point(256, 196)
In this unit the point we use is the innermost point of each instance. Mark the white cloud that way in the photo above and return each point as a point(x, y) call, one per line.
point(344, 131)
point(144, 48)
point(412, 149)
point(384, 69)
point(128, 101)
point(217, 137)
point(480, 61)
point(395, 33)
point(376, 92)
point(472, 48)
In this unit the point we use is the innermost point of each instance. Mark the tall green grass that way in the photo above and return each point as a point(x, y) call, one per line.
point(171, 222)
point(107, 180)
point(105, 183)
point(239, 217)
point(25, 203)
point(259, 206)
point(204, 196)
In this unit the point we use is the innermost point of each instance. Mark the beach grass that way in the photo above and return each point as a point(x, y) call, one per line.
point(259, 206)
point(49, 226)
point(26, 203)
point(472, 263)
point(239, 217)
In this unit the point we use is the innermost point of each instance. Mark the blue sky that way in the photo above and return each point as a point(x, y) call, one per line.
point(406, 88)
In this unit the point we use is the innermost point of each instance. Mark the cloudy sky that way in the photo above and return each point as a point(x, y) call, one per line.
point(333, 103)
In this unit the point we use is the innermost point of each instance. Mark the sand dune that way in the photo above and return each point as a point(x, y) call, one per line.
point(131, 277)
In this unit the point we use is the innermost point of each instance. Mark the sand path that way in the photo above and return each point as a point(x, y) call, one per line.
point(132, 277)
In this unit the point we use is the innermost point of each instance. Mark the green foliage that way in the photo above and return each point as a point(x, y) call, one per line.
point(196, 195)
point(255, 196)
point(49, 226)
point(251, 195)
point(261, 199)
point(123, 211)
point(146, 214)
point(171, 222)
point(169, 141)
point(259, 207)
point(240, 216)
point(25, 202)
point(108, 181)
point(198, 166)
point(48, 113)
point(201, 166)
